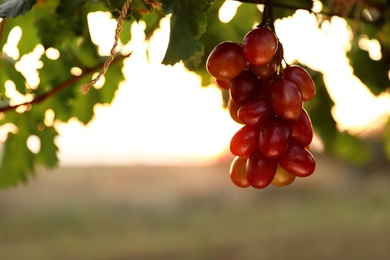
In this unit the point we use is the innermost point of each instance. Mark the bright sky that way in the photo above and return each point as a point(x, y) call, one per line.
point(161, 115)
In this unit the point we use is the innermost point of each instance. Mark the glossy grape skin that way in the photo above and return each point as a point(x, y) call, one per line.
point(226, 61)
point(286, 99)
point(238, 172)
point(260, 170)
point(301, 129)
point(256, 112)
point(302, 78)
point(259, 46)
point(274, 138)
point(265, 71)
point(223, 83)
point(282, 177)
point(244, 87)
point(245, 141)
point(233, 111)
point(298, 161)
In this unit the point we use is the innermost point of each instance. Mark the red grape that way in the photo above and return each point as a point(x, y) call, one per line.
point(233, 111)
point(238, 172)
point(274, 138)
point(256, 112)
point(223, 83)
point(260, 170)
point(302, 78)
point(245, 141)
point(286, 99)
point(226, 60)
point(298, 161)
point(259, 46)
point(301, 129)
point(244, 87)
point(265, 71)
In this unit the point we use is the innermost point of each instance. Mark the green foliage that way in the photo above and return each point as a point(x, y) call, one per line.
point(194, 31)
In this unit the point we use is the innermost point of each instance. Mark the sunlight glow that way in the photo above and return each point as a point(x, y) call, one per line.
point(228, 10)
point(161, 115)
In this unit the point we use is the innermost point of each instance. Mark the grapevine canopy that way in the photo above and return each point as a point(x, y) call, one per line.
point(62, 27)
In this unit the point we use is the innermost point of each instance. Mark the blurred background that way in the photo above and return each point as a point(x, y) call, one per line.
point(148, 177)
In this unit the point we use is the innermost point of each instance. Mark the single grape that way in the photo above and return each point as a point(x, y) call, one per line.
point(274, 138)
point(301, 129)
point(244, 87)
point(302, 78)
point(245, 141)
point(259, 46)
point(265, 71)
point(233, 111)
point(226, 60)
point(256, 112)
point(286, 99)
point(298, 161)
point(223, 83)
point(238, 172)
point(260, 170)
point(282, 177)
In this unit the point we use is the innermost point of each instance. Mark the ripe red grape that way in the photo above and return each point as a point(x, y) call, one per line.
point(302, 78)
point(298, 161)
point(244, 87)
point(274, 138)
point(259, 46)
point(226, 60)
point(265, 71)
point(233, 111)
point(238, 172)
point(245, 141)
point(301, 129)
point(260, 170)
point(256, 112)
point(286, 99)
point(223, 83)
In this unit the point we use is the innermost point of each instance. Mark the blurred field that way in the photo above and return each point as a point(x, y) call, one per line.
point(196, 213)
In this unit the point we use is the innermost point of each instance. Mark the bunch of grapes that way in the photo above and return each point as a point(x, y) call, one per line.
point(267, 98)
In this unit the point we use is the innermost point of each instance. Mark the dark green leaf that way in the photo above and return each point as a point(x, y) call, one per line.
point(14, 8)
point(374, 74)
point(188, 23)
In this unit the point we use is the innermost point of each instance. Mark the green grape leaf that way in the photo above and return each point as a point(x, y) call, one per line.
point(188, 23)
point(83, 104)
point(14, 8)
point(17, 161)
point(47, 154)
point(8, 72)
point(29, 38)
